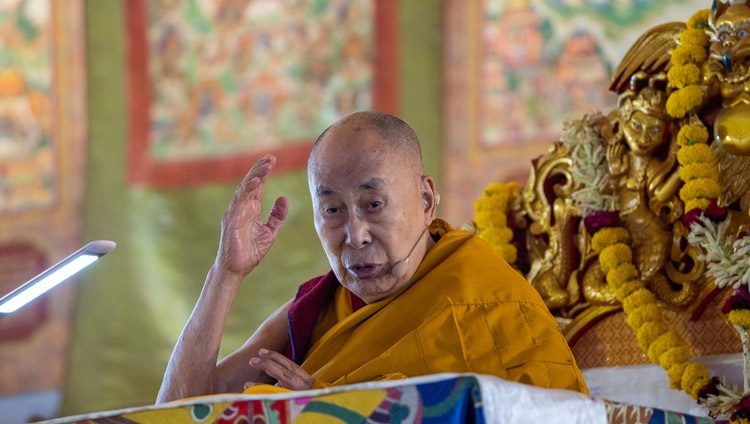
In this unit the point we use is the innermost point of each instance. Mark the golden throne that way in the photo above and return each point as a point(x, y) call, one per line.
point(666, 174)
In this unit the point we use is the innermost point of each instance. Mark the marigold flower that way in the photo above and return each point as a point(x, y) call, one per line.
point(698, 203)
point(614, 255)
point(688, 53)
point(491, 203)
point(490, 218)
point(507, 189)
point(508, 251)
point(626, 289)
point(694, 37)
point(621, 274)
point(740, 317)
point(683, 75)
point(497, 235)
point(648, 332)
point(636, 299)
point(697, 153)
point(675, 355)
point(696, 170)
point(609, 236)
point(643, 314)
point(694, 378)
point(675, 373)
point(691, 134)
point(682, 101)
point(663, 343)
point(699, 20)
point(706, 188)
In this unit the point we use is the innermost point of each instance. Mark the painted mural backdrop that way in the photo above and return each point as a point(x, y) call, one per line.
point(540, 63)
point(233, 76)
point(214, 85)
point(27, 172)
point(42, 168)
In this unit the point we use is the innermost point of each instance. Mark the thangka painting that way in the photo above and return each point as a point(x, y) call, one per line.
point(516, 70)
point(42, 173)
point(28, 176)
point(214, 85)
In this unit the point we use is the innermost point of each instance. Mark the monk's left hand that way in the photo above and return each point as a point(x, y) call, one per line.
point(288, 375)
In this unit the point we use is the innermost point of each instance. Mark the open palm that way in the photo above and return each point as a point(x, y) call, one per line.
point(245, 238)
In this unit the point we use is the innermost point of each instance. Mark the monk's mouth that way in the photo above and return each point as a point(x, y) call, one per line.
point(364, 272)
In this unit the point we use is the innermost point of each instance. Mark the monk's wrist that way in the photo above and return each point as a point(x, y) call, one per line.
point(223, 280)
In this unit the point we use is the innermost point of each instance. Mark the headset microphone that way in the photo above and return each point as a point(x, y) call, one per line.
point(399, 268)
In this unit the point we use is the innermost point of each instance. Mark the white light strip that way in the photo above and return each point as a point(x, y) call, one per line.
point(54, 275)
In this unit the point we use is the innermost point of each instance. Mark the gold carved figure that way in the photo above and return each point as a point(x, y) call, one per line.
point(726, 73)
point(642, 174)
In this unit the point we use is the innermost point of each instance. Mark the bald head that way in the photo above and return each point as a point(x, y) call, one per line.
point(396, 134)
point(371, 202)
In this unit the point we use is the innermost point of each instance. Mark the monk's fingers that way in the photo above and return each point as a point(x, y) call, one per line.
point(278, 214)
point(286, 373)
point(251, 185)
point(250, 384)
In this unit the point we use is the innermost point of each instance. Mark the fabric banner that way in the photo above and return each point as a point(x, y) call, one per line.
point(42, 156)
point(440, 398)
point(215, 86)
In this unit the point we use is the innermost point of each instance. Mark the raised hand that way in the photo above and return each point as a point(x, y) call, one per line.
point(617, 160)
point(287, 374)
point(245, 238)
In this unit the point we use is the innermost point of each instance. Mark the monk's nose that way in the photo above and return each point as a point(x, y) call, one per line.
point(357, 232)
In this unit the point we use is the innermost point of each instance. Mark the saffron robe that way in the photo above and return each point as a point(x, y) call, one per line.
point(465, 310)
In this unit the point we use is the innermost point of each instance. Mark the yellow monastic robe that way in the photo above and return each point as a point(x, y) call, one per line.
point(465, 310)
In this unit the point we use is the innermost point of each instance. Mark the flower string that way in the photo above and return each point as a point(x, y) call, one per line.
point(664, 346)
point(686, 60)
point(491, 219)
point(698, 170)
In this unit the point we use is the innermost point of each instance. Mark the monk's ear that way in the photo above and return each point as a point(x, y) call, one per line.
point(430, 197)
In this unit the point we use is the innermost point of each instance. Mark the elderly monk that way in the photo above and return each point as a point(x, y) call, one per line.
point(407, 295)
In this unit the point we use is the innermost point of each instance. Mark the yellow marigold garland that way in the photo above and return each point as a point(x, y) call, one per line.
point(698, 170)
point(694, 378)
point(497, 235)
point(612, 256)
point(675, 355)
point(627, 288)
point(608, 236)
point(684, 100)
point(644, 314)
point(695, 37)
point(663, 343)
point(649, 332)
point(695, 153)
point(707, 188)
point(698, 203)
point(686, 59)
point(699, 20)
point(689, 53)
point(692, 134)
point(621, 274)
point(491, 220)
point(664, 346)
point(692, 171)
point(683, 75)
point(740, 317)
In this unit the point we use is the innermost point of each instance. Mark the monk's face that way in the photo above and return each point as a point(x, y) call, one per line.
point(371, 206)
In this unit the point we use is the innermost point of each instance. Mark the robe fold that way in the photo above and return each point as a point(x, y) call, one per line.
point(464, 310)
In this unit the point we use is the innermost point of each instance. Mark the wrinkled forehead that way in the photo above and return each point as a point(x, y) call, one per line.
point(351, 159)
